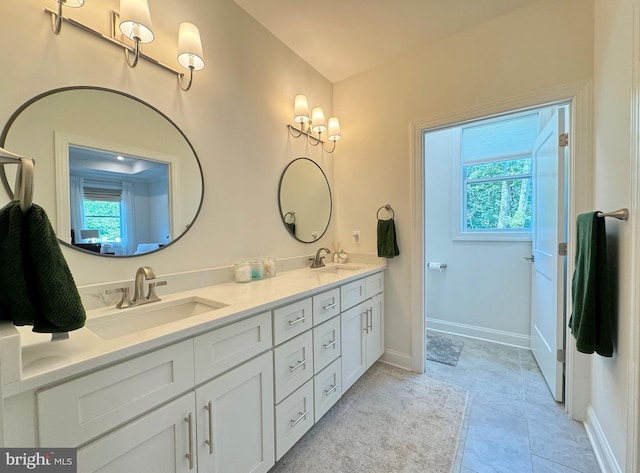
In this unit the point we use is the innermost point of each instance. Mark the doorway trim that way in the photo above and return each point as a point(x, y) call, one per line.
point(580, 199)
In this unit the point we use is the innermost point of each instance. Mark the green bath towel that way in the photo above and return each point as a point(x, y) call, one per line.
point(591, 322)
point(36, 286)
point(387, 243)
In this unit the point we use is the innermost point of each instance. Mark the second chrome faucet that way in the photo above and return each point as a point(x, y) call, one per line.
point(318, 262)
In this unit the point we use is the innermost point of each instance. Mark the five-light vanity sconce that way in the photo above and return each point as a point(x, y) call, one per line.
point(134, 22)
point(314, 123)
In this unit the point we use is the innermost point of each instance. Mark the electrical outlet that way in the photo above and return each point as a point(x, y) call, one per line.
point(356, 236)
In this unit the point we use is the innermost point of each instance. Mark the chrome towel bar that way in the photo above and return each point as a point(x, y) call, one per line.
point(620, 214)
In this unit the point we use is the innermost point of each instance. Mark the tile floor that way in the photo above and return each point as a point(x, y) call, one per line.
point(512, 423)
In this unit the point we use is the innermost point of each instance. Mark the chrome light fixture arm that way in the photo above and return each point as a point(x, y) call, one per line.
point(136, 54)
point(56, 20)
point(181, 79)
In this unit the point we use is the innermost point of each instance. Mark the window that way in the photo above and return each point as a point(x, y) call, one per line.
point(102, 211)
point(495, 185)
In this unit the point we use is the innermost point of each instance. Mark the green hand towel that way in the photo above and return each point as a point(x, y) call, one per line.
point(37, 285)
point(387, 243)
point(591, 322)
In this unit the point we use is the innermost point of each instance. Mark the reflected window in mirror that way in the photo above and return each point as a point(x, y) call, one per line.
point(304, 197)
point(125, 199)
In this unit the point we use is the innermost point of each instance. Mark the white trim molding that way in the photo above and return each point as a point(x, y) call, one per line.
point(633, 381)
point(601, 448)
point(580, 180)
point(480, 333)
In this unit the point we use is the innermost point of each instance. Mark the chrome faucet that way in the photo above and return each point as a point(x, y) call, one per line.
point(317, 261)
point(143, 273)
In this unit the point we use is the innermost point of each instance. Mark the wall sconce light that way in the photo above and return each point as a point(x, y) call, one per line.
point(314, 123)
point(134, 22)
point(56, 17)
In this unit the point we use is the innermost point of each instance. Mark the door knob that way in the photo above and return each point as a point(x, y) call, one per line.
point(529, 258)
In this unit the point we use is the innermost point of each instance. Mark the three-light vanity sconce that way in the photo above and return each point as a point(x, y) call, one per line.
point(134, 22)
point(314, 123)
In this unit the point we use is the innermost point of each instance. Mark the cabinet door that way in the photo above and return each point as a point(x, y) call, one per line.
point(157, 442)
point(236, 420)
point(375, 329)
point(353, 345)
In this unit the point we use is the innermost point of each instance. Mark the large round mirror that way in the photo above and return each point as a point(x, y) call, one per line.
point(115, 175)
point(305, 200)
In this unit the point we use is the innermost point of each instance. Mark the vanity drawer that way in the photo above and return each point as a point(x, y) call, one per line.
point(327, 388)
point(294, 416)
point(326, 305)
point(293, 365)
point(326, 343)
point(352, 293)
point(226, 347)
point(74, 412)
point(374, 284)
point(291, 320)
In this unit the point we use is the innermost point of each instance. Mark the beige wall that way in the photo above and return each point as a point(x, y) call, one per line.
point(234, 116)
point(612, 99)
point(543, 45)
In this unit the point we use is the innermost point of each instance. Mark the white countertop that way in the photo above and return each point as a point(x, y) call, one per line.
point(38, 361)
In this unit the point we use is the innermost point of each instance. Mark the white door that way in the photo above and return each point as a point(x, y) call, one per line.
point(354, 350)
point(547, 282)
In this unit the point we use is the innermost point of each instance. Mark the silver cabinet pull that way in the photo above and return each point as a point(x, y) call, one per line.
point(332, 389)
point(366, 322)
point(326, 346)
point(530, 258)
point(302, 416)
point(370, 315)
point(209, 407)
point(298, 320)
point(328, 306)
point(189, 421)
point(300, 364)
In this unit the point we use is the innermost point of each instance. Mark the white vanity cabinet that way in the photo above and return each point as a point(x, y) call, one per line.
point(229, 399)
point(222, 421)
point(157, 442)
point(362, 328)
point(219, 427)
point(235, 423)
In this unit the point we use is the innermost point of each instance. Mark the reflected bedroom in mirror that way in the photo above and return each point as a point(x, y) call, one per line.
point(115, 175)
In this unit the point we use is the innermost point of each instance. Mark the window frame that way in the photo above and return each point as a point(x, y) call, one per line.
point(459, 200)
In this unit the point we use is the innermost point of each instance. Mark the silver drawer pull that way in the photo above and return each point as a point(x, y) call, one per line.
point(326, 346)
point(329, 306)
point(209, 442)
point(302, 415)
point(189, 421)
point(299, 365)
point(332, 389)
point(298, 320)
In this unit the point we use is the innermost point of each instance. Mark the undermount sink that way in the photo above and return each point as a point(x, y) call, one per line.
point(338, 268)
point(133, 319)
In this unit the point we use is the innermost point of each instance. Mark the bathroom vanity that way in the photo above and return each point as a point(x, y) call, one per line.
point(223, 379)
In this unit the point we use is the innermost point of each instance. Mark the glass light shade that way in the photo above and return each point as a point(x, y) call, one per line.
point(301, 109)
point(135, 20)
point(318, 122)
point(334, 129)
point(190, 47)
point(71, 3)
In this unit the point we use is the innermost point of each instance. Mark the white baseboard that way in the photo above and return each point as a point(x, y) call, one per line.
point(481, 333)
point(397, 359)
point(601, 448)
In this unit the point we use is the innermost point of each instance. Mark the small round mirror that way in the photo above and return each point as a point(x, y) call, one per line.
point(305, 200)
point(115, 175)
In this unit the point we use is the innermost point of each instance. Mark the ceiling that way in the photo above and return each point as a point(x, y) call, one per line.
point(341, 38)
